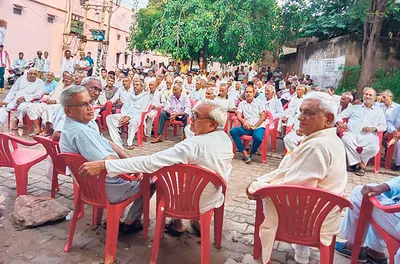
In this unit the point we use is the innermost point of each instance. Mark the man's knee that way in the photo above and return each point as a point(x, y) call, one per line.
point(356, 196)
point(235, 131)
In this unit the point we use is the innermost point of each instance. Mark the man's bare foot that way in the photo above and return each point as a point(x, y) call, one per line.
point(157, 139)
point(175, 227)
point(130, 147)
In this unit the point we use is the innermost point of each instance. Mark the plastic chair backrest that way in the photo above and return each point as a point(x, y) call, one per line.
point(269, 116)
point(53, 150)
point(92, 189)
point(5, 151)
point(301, 211)
point(145, 113)
point(181, 186)
point(286, 106)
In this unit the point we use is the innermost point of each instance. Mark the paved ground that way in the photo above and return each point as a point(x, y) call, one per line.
point(45, 244)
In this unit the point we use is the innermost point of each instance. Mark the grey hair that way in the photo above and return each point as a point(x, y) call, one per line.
point(86, 80)
point(387, 92)
point(218, 113)
point(177, 85)
point(349, 95)
point(66, 95)
point(369, 88)
point(326, 101)
point(223, 84)
point(301, 86)
point(32, 69)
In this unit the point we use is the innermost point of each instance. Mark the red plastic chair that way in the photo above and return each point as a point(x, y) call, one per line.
point(286, 106)
point(274, 134)
point(174, 123)
point(157, 121)
point(179, 188)
point(92, 191)
point(105, 113)
point(301, 212)
point(367, 205)
point(52, 149)
point(21, 159)
point(389, 153)
point(288, 129)
point(264, 144)
point(377, 158)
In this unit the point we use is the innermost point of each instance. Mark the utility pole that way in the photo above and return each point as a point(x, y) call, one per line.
point(100, 45)
point(109, 8)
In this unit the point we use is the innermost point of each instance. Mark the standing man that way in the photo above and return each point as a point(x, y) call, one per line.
point(360, 138)
point(251, 115)
point(4, 58)
point(46, 66)
point(3, 28)
point(39, 65)
point(91, 63)
point(67, 63)
point(277, 76)
point(176, 108)
point(82, 65)
point(251, 74)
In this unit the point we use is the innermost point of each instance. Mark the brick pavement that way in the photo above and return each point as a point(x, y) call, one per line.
point(45, 244)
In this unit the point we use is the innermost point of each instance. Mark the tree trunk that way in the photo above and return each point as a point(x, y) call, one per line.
point(370, 43)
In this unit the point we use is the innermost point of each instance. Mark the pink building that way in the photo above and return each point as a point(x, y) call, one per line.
point(39, 25)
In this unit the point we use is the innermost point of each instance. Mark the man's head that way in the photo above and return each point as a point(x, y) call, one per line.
point(207, 117)
point(46, 54)
point(210, 95)
point(331, 90)
point(49, 76)
point(189, 79)
point(126, 82)
point(168, 82)
point(238, 85)
point(82, 55)
point(89, 54)
point(369, 96)
point(104, 73)
point(250, 83)
point(21, 55)
point(76, 102)
point(300, 90)
point(346, 99)
point(317, 113)
point(110, 82)
point(1, 48)
point(138, 86)
point(79, 78)
point(32, 75)
point(203, 84)
point(178, 80)
point(150, 73)
point(223, 90)
point(269, 92)
point(229, 83)
point(131, 74)
point(387, 97)
point(67, 54)
point(39, 54)
point(177, 90)
point(153, 86)
point(69, 79)
point(111, 74)
point(159, 78)
point(93, 86)
point(249, 93)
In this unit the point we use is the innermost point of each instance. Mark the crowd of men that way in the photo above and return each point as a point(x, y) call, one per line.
point(310, 118)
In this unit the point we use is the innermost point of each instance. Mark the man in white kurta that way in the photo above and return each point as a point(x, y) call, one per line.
point(318, 162)
point(157, 100)
point(387, 105)
point(123, 94)
point(131, 114)
point(360, 137)
point(273, 104)
point(46, 110)
point(198, 93)
point(26, 89)
point(224, 100)
point(210, 149)
point(291, 111)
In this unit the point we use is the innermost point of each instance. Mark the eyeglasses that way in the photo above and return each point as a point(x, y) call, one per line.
point(97, 89)
point(195, 117)
point(83, 105)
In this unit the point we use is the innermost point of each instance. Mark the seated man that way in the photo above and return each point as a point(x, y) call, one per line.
point(360, 138)
point(46, 110)
point(81, 135)
point(387, 193)
point(387, 104)
point(110, 89)
point(224, 100)
point(234, 93)
point(318, 162)
point(122, 95)
point(290, 113)
point(157, 100)
point(50, 84)
point(251, 115)
point(198, 93)
point(26, 89)
point(131, 114)
point(345, 102)
point(393, 127)
point(210, 149)
point(272, 103)
point(177, 108)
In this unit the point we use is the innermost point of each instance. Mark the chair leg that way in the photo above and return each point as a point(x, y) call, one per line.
point(325, 254)
point(21, 180)
point(264, 149)
point(139, 136)
point(97, 215)
point(158, 233)
point(389, 157)
point(145, 189)
point(77, 204)
point(205, 222)
point(218, 223)
point(175, 130)
point(365, 213)
point(113, 215)
point(54, 183)
point(166, 125)
point(377, 162)
point(82, 205)
point(259, 219)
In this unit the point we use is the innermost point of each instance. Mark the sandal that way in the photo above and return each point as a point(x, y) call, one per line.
point(196, 227)
point(130, 147)
point(359, 171)
point(375, 260)
point(170, 229)
point(247, 160)
point(156, 140)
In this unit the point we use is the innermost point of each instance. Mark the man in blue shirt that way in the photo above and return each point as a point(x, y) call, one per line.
point(91, 63)
point(19, 64)
point(50, 84)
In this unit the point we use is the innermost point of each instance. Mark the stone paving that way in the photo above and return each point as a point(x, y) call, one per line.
point(45, 244)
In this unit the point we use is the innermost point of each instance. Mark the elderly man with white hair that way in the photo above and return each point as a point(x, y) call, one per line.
point(157, 100)
point(360, 137)
point(210, 149)
point(319, 162)
point(293, 108)
point(387, 105)
point(198, 93)
point(345, 102)
point(272, 103)
point(46, 109)
point(26, 89)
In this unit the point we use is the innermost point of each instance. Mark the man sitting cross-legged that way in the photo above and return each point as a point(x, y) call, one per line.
point(131, 114)
point(251, 115)
point(211, 149)
point(80, 135)
point(47, 109)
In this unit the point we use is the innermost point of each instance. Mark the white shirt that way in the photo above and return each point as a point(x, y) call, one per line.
point(67, 65)
point(122, 94)
point(336, 98)
point(251, 74)
point(29, 90)
point(234, 94)
point(157, 99)
point(275, 107)
point(294, 105)
point(212, 151)
point(46, 64)
point(82, 63)
point(198, 94)
point(225, 103)
point(147, 80)
point(251, 111)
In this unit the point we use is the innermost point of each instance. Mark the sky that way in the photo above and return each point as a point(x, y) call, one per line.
point(129, 3)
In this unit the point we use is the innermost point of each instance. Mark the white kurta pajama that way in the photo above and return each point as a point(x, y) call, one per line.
point(290, 112)
point(157, 100)
point(318, 162)
point(31, 91)
point(212, 151)
point(133, 107)
point(359, 117)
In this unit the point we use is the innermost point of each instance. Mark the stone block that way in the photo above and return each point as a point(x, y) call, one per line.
point(248, 259)
point(239, 227)
point(279, 256)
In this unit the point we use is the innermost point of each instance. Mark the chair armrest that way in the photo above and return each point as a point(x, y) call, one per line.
point(385, 208)
point(128, 177)
point(26, 143)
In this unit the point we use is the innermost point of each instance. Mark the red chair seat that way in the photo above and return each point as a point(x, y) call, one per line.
point(25, 155)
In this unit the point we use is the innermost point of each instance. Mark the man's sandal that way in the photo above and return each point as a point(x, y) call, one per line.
point(359, 171)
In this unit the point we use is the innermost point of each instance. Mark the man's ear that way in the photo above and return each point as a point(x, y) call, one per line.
point(330, 118)
point(67, 111)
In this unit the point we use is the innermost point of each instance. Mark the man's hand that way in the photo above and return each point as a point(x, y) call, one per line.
point(284, 119)
point(372, 191)
point(369, 129)
point(92, 168)
point(250, 195)
point(343, 125)
point(19, 100)
point(396, 134)
point(172, 116)
point(298, 133)
point(124, 120)
point(3, 104)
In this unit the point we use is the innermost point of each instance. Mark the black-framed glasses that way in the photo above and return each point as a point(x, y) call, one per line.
point(83, 105)
point(196, 117)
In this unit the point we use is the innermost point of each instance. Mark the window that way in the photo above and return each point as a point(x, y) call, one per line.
point(127, 39)
point(118, 36)
point(50, 19)
point(17, 11)
point(126, 59)
point(118, 57)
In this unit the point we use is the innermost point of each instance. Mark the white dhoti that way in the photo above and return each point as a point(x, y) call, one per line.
point(21, 110)
point(291, 140)
point(368, 141)
point(114, 128)
point(42, 110)
point(188, 132)
point(149, 122)
point(372, 239)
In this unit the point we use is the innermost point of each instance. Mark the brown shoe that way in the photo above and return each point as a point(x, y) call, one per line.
point(157, 139)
